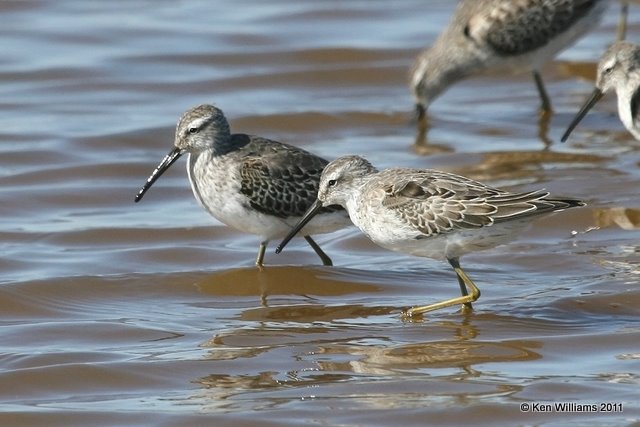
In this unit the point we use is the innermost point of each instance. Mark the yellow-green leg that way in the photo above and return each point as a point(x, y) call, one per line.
point(324, 257)
point(261, 250)
point(469, 290)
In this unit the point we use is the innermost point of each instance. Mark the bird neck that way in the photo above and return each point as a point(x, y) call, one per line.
point(227, 143)
point(435, 70)
point(354, 191)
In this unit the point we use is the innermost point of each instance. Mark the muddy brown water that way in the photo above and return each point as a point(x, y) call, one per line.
point(115, 313)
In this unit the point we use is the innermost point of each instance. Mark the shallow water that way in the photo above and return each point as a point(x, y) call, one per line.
point(115, 313)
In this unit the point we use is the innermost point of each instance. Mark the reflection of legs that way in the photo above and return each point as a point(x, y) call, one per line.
point(261, 251)
point(622, 23)
point(546, 103)
point(467, 298)
point(263, 286)
point(543, 128)
point(324, 257)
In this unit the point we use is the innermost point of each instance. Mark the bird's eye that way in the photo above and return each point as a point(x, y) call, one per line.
point(331, 182)
point(467, 31)
point(193, 130)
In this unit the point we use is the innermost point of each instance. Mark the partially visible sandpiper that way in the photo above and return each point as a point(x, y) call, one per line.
point(618, 70)
point(428, 213)
point(485, 35)
point(250, 183)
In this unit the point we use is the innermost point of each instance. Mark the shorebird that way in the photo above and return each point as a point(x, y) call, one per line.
point(488, 35)
point(618, 70)
point(428, 213)
point(247, 182)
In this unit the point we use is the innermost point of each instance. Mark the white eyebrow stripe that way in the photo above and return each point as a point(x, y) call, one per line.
point(197, 123)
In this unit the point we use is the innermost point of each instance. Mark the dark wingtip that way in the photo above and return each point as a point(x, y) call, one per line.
point(562, 204)
point(573, 203)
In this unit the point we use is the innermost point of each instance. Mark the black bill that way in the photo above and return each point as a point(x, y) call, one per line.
point(168, 160)
point(595, 97)
point(308, 216)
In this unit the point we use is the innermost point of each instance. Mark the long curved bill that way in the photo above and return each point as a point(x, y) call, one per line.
point(595, 97)
point(168, 160)
point(308, 216)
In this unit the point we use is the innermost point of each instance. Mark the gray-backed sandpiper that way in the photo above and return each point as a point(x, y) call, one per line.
point(250, 183)
point(516, 35)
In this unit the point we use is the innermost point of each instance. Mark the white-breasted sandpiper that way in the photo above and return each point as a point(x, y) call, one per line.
point(512, 35)
point(618, 70)
point(247, 182)
point(428, 213)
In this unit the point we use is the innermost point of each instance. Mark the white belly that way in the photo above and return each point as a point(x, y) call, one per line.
point(216, 186)
point(387, 230)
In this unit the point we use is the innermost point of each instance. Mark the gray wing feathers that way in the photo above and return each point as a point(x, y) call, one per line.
point(279, 179)
point(515, 27)
point(434, 203)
